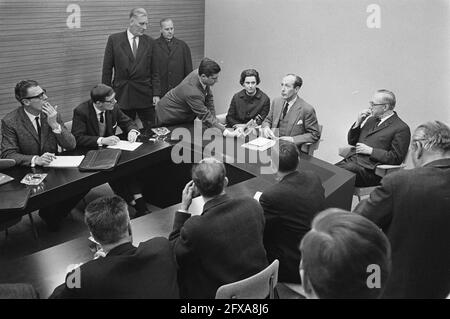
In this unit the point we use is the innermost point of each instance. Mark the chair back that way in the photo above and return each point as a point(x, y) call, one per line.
point(309, 148)
point(258, 286)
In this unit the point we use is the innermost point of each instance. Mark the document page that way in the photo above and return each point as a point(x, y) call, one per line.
point(66, 161)
point(126, 146)
point(259, 144)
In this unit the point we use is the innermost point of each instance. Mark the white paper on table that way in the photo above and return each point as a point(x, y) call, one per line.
point(126, 146)
point(197, 204)
point(259, 144)
point(66, 161)
point(257, 195)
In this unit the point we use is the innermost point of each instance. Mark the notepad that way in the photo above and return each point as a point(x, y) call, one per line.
point(66, 161)
point(259, 144)
point(126, 146)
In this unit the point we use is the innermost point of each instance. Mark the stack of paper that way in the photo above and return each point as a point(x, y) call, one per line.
point(126, 146)
point(259, 144)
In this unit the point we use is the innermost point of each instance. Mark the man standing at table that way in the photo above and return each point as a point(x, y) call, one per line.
point(31, 135)
point(132, 55)
point(191, 98)
point(293, 118)
point(175, 61)
point(94, 125)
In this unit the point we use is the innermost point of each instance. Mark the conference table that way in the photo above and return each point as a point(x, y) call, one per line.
point(163, 166)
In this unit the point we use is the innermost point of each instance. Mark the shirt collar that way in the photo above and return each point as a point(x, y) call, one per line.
point(96, 109)
point(31, 116)
point(201, 83)
point(130, 36)
point(385, 118)
point(290, 103)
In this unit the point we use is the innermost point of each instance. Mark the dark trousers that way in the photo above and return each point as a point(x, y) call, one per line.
point(126, 187)
point(146, 115)
point(364, 177)
point(54, 214)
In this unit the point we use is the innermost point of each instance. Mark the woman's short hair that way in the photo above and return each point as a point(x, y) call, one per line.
point(339, 253)
point(249, 72)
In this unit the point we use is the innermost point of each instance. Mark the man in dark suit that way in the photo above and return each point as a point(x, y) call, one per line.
point(222, 245)
point(191, 98)
point(175, 61)
point(290, 117)
point(133, 57)
point(31, 135)
point(121, 270)
point(289, 208)
point(379, 137)
point(413, 209)
point(94, 125)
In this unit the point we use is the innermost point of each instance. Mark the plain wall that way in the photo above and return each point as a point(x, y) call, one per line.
point(342, 61)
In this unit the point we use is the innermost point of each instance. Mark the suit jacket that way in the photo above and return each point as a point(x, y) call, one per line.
point(85, 124)
point(135, 81)
point(20, 139)
point(223, 245)
point(289, 208)
point(186, 102)
point(174, 65)
point(390, 141)
point(147, 271)
point(413, 209)
point(243, 108)
point(302, 120)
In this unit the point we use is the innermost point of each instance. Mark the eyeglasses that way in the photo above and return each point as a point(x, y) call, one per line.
point(39, 96)
point(112, 101)
point(375, 104)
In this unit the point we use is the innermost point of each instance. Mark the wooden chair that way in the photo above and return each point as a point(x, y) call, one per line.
point(380, 170)
point(259, 286)
point(309, 148)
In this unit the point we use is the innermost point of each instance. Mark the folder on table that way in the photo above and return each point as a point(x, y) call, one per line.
point(100, 160)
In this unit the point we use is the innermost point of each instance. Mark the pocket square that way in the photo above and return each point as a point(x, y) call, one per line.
point(300, 122)
point(115, 125)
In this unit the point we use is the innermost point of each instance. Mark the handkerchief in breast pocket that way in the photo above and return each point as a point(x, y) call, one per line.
point(300, 122)
point(115, 125)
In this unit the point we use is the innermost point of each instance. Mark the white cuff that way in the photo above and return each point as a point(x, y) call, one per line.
point(99, 141)
point(33, 161)
point(57, 130)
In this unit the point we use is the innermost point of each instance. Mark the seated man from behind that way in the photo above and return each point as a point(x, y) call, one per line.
point(289, 207)
point(379, 137)
point(191, 98)
point(31, 135)
point(344, 255)
point(292, 117)
point(146, 271)
point(222, 245)
point(94, 125)
point(413, 209)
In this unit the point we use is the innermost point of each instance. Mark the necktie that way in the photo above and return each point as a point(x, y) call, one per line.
point(102, 119)
point(38, 126)
point(285, 108)
point(134, 47)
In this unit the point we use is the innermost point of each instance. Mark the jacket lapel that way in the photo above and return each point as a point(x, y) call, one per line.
point(295, 109)
point(28, 125)
point(125, 45)
point(384, 124)
point(162, 45)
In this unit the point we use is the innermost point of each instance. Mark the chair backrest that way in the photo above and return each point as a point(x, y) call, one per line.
point(258, 286)
point(68, 125)
point(309, 148)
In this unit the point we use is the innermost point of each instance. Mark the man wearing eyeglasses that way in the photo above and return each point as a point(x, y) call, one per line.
point(94, 125)
point(379, 137)
point(31, 135)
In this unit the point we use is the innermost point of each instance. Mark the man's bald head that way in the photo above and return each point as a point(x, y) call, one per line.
point(209, 176)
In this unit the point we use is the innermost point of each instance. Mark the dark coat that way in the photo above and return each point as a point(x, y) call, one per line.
point(85, 124)
point(20, 139)
point(390, 141)
point(135, 81)
point(174, 65)
point(148, 271)
point(413, 209)
point(289, 207)
point(222, 245)
point(243, 108)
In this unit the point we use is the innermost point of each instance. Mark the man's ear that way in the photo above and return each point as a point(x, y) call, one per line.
point(25, 102)
point(225, 182)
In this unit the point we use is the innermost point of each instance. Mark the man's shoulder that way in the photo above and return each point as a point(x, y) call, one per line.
point(12, 116)
point(305, 105)
point(399, 122)
point(118, 35)
point(83, 107)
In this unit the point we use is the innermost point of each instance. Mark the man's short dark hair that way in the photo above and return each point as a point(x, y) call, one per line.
point(208, 67)
point(100, 92)
point(298, 80)
point(337, 251)
point(209, 177)
point(288, 157)
point(249, 72)
point(21, 89)
point(107, 219)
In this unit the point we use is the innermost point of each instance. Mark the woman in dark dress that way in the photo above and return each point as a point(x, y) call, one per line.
point(248, 104)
